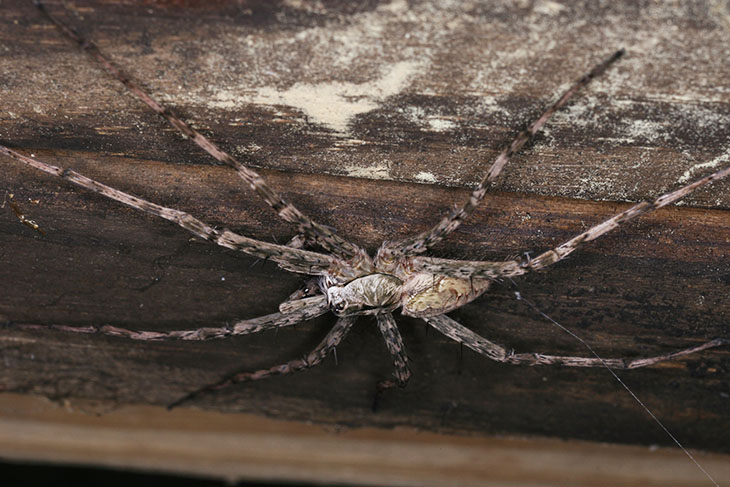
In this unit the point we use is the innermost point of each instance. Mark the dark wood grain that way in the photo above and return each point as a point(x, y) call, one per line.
point(474, 75)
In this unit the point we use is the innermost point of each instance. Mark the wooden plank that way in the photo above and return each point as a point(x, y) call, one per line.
point(239, 447)
point(414, 94)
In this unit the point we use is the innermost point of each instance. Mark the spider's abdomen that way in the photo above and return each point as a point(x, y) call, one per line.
point(430, 295)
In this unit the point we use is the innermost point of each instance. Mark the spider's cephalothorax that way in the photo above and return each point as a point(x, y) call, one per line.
point(352, 283)
point(367, 295)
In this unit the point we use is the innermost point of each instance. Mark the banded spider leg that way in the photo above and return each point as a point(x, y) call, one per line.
point(321, 234)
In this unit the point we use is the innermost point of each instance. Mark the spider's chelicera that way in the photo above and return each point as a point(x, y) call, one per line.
point(348, 281)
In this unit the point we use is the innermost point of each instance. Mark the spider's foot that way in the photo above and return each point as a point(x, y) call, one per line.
point(226, 381)
point(192, 395)
point(380, 389)
point(526, 260)
point(183, 399)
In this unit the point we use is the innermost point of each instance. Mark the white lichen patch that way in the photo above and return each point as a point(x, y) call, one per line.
point(333, 103)
point(378, 171)
point(250, 148)
point(648, 130)
point(589, 187)
point(548, 8)
point(434, 123)
point(425, 177)
point(348, 143)
point(227, 100)
point(437, 124)
point(715, 163)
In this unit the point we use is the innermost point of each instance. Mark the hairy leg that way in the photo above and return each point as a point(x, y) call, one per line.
point(420, 243)
point(322, 234)
point(389, 329)
point(333, 338)
point(294, 260)
point(491, 270)
point(309, 308)
point(479, 344)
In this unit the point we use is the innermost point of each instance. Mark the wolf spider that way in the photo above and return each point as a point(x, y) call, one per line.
point(348, 281)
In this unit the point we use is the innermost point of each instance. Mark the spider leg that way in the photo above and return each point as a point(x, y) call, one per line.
point(490, 270)
point(461, 334)
point(294, 260)
point(333, 338)
point(420, 243)
point(394, 342)
point(560, 252)
point(302, 241)
point(470, 269)
point(322, 234)
point(479, 344)
point(309, 308)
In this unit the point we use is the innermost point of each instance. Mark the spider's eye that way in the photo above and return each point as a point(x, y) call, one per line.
point(340, 306)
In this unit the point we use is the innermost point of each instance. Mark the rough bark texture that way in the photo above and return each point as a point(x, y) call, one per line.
point(374, 117)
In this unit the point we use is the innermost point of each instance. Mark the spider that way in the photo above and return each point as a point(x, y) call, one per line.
point(348, 281)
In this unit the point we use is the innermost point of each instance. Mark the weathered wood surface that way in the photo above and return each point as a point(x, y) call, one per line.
point(374, 118)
